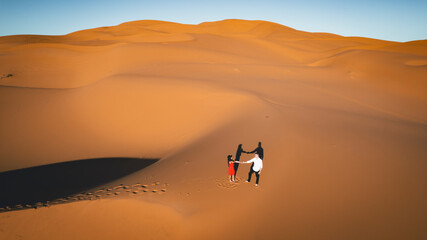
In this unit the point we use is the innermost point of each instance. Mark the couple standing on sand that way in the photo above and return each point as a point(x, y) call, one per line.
point(256, 167)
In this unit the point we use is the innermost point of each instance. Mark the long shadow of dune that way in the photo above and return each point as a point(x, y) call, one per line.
point(45, 183)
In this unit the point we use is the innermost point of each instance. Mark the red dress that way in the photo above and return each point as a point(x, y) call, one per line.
point(231, 169)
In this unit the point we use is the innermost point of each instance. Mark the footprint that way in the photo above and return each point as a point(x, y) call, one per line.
point(135, 189)
point(225, 183)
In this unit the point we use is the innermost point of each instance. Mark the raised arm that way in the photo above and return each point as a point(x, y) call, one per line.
point(254, 151)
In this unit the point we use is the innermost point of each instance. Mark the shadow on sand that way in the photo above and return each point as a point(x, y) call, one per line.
point(42, 184)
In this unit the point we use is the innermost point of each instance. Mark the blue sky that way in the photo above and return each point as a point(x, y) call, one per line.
point(396, 20)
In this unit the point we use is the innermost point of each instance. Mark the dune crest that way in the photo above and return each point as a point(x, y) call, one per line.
point(74, 59)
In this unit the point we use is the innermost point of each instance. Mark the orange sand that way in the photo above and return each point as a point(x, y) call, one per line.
point(343, 121)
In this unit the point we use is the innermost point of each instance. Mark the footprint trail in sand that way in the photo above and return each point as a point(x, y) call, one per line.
point(101, 193)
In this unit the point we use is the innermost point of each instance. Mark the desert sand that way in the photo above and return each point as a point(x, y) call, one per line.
point(343, 122)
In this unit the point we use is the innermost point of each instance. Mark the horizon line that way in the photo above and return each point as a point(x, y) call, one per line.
point(196, 24)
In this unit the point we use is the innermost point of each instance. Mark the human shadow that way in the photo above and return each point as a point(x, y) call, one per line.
point(45, 183)
point(237, 158)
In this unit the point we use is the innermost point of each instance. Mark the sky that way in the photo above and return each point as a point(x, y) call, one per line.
point(395, 20)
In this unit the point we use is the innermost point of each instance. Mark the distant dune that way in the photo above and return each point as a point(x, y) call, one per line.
point(343, 122)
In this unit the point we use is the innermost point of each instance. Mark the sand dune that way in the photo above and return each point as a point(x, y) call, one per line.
point(343, 121)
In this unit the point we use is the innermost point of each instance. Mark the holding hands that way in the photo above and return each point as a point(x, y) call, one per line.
point(256, 161)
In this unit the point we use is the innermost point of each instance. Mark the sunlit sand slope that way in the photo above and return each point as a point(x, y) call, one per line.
point(343, 123)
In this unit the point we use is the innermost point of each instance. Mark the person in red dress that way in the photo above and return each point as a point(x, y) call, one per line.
point(231, 171)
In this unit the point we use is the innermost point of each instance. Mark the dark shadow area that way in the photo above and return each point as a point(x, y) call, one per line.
point(41, 184)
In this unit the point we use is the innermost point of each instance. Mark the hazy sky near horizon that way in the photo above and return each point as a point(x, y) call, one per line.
point(396, 20)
